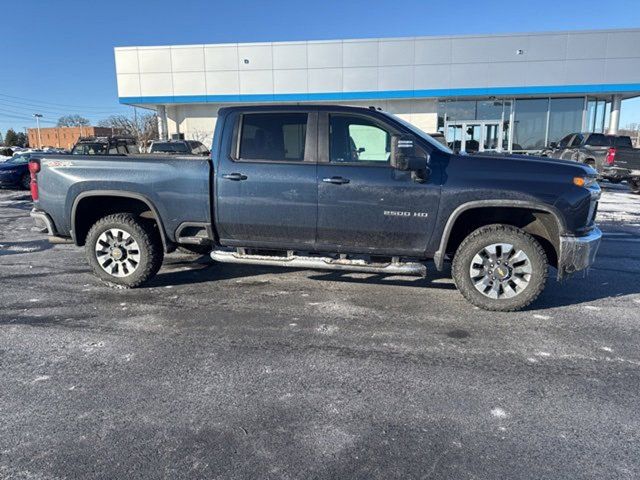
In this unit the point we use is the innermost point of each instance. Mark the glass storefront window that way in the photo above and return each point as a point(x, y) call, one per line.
point(607, 115)
point(530, 127)
point(597, 115)
point(489, 110)
point(565, 117)
point(524, 124)
point(599, 121)
point(461, 110)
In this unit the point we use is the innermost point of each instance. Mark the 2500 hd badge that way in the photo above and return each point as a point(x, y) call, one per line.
point(395, 213)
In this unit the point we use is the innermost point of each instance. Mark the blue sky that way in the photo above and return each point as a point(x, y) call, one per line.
point(58, 55)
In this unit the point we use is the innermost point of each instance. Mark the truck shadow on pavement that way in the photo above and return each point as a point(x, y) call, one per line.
point(605, 280)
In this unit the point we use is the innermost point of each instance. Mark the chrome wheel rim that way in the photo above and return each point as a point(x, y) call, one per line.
point(500, 271)
point(117, 252)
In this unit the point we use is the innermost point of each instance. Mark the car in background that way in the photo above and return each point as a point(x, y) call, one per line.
point(179, 147)
point(111, 145)
point(5, 153)
point(14, 173)
point(613, 156)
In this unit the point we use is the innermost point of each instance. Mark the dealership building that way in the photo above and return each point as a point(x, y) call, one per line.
point(514, 92)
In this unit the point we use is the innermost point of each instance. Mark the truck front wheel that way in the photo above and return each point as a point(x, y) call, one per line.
point(500, 267)
point(124, 250)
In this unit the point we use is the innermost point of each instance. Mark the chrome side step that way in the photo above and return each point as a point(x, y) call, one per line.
point(395, 267)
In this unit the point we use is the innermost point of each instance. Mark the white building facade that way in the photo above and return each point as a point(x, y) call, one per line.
point(494, 92)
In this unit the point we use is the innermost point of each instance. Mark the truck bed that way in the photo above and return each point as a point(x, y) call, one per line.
point(628, 158)
point(177, 186)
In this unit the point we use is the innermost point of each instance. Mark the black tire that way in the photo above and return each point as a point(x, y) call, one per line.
point(149, 244)
point(25, 181)
point(635, 185)
point(497, 234)
point(196, 249)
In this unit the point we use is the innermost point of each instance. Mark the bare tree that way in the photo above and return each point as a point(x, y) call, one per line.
point(633, 131)
point(72, 121)
point(143, 127)
point(202, 136)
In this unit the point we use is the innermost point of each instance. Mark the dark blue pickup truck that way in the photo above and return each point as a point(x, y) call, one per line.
point(328, 187)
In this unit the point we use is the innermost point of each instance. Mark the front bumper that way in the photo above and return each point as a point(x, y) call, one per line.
point(578, 253)
point(43, 222)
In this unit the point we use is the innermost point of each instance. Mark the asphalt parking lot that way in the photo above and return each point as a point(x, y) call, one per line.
point(223, 371)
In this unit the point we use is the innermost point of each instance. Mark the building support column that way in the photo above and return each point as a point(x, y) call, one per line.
point(162, 122)
point(614, 118)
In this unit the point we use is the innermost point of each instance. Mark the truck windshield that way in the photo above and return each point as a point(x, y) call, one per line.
point(89, 149)
point(169, 148)
point(421, 134)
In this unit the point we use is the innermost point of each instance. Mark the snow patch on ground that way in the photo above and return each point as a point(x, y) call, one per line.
point(498, 412)
point(617, 206)
point(327, 329)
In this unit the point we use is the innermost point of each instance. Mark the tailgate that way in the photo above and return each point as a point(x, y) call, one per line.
point(627, 158)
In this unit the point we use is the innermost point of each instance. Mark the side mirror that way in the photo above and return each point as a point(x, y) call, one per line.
point(403, 154)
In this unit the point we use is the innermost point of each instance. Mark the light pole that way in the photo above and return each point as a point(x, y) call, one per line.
point(38, 117)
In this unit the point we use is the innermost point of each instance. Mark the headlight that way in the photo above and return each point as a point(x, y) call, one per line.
point(585, 182)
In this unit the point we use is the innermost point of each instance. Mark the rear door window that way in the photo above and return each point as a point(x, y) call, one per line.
point(598, 140)
point(273, 136)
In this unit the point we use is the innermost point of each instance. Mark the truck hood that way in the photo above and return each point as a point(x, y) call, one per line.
point(542, 162)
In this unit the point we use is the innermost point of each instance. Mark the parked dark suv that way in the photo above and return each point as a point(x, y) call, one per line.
point(179, 147)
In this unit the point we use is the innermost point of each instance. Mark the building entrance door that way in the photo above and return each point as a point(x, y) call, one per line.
point(473, 136)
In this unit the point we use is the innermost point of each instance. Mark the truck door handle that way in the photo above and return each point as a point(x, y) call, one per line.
point(234, 176)
point(336, 180)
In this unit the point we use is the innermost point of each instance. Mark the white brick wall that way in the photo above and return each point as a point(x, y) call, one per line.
point(408, 64)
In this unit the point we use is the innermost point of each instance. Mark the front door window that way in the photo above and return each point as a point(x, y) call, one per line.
point(355, 139)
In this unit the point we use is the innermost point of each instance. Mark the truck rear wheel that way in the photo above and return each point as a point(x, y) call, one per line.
point(500, 267)
point(123, 250)
point(635, 185)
